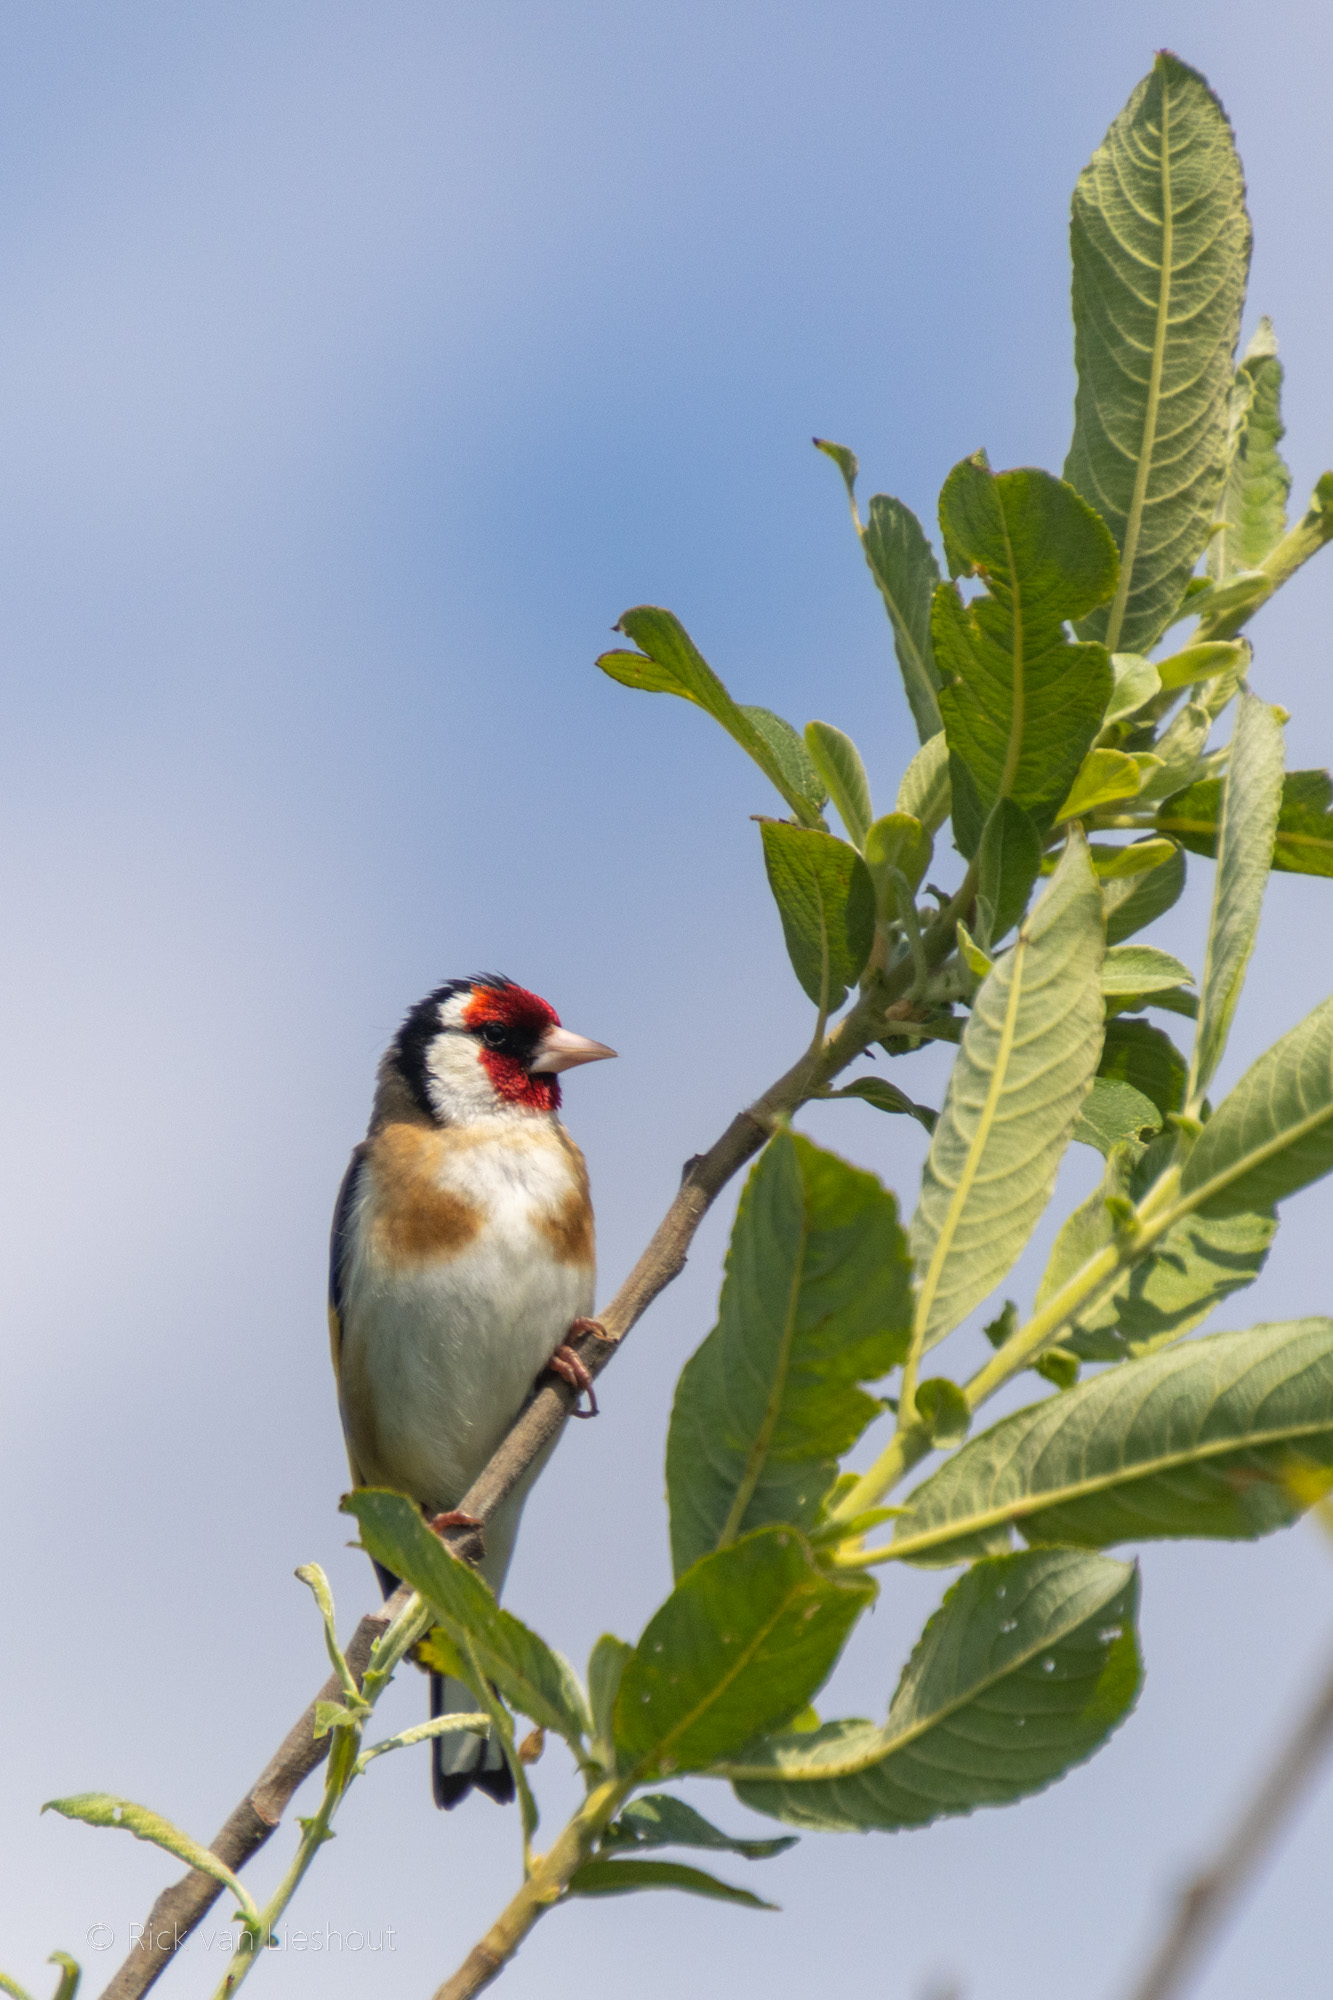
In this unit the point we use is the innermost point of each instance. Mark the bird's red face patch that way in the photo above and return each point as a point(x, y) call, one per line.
point(518, 1019)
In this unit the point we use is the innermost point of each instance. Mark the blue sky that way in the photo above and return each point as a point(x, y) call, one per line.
point(358, 367)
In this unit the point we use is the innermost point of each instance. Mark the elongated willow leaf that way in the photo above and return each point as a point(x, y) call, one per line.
point(924, 791)
point(1114, 1113)
point(1021, 702)
point(668, 662)
point(1135, 901)
point(622, 1878)
point(524, 1668)
point(1251, 799)
point(1161, 248)
point(1274, 1133)
point(826, 901)
point(658, 1820)
point(1200, 1261)
point(1206, 1439)
point(1026, 1668)
point(101, 1809)
point(842, 777)
point(742, 1645)
point(816, 1300)
point(903, 564)
point(1254, 497)
point(1303, 844)
point(1008, 862)
point(1024, 1066)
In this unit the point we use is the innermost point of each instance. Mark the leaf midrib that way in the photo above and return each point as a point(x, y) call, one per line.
point(1143, 471)
point(662, 1748)
point(972, 1163)
point(889, 1745)
point(1061, 1496)
point(757, 1457)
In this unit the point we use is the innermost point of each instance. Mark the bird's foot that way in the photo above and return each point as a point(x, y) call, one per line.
point(454, 1517)
point(594, 1327)
point(567, 1365)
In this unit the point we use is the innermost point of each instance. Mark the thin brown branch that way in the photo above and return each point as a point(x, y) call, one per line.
point(1206, 1903)
point(179, 1908)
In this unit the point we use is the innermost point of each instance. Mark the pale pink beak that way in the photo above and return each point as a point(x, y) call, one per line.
point(558, 1049)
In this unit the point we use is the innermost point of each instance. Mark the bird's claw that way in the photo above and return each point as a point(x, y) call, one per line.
point(454, 1517)
point(566, 1364)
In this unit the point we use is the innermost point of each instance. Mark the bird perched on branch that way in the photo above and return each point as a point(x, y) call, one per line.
point(462, 1259)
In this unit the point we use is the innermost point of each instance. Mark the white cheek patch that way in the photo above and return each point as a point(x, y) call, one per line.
point(456, 1079)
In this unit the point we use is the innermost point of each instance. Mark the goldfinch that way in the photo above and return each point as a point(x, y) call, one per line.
point(462, 1256)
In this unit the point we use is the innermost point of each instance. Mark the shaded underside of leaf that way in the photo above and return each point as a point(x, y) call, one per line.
point(816, 1300)
point(1161, 246)
point(1274, 1133)
point(528, 1672)
point(622, 1878)
point(1254, 496)
point(903, 564)
point(1251, 800)
point(1025, 1669)
point(1303, 844)
point(1198, 1440)
point(826, 901)
point(742, 1645)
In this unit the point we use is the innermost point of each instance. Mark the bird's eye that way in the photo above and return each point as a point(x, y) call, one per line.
point(493, 1033)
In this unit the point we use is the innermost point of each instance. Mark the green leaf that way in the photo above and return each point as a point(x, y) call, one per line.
point(1136, 681)
point(943, 1409)
point(1274, 1133)
point(1202, 663)
point(924, 791)
point(1142, 968)
point(789, 753)
point(1138, 1054)
point(1251, 797)
point(815, 1301)
point(903, 564)
point(1254, 499)
point(606, 1663)
point(527, 1672)
point(1180, 747)
point(1205, 1439)
point(896, 842)
point(1023, 1068)
point(846, 461)
point(827, 904)
point(1114, 1112)
point(1103, 777)
point(1199, 1262)
point(886, 1097)
point(1161, 247)
point(70, 1975)
point(743, 1643)
point(619, 1878)
point(1021, 702)
point(1026, 1668)
point(1135, 901)
point(668, 662)
point(658, 1820)
point(1117, 864)
point(843, 777)
point(1008, 863)
point(101, 1809)
point(1304, 840)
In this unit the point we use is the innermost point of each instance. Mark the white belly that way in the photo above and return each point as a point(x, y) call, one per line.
point(439, 1354)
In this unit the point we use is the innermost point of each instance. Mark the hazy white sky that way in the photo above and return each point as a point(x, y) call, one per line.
point(358, 366)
